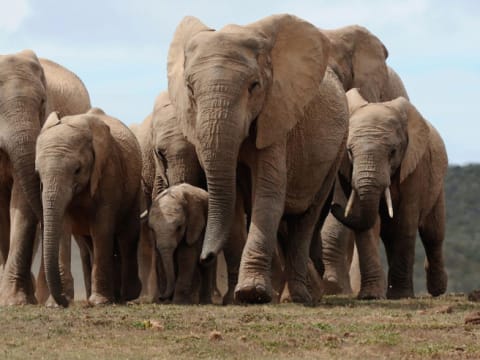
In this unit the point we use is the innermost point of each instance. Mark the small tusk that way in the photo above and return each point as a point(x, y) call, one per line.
point(388, 199)
point(143, 215)
point(350, 203)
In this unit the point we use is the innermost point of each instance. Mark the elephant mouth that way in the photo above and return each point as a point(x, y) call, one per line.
point(354, 221)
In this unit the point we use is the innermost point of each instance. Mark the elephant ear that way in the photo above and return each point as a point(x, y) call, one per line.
point(177, 87)
point(51, 121)
point(418, 136)
point(197, 210)
point(299, 57)
point(369, 66)
point(355, 100)
point(102, 144)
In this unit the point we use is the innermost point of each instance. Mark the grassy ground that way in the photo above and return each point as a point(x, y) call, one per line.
point(338, 328)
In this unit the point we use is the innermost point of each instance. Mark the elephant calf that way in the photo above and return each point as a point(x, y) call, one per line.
point(398, 157)
point(90, 167)
point(177, 219)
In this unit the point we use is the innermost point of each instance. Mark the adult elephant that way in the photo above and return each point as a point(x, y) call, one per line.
point(398, 156)
point(169, 159)
point(260, 95)
point(29, 89)
point(358, 58)
point(89, 166)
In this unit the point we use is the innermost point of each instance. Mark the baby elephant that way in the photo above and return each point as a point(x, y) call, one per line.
point(177, 220)
point(89, 167)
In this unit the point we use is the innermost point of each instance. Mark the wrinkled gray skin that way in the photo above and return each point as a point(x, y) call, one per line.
point(29, 89)
point(169, 159)
point(259, 95)
point(358, 58)
point(177, 220)
point(80, 160)
point(391, 147)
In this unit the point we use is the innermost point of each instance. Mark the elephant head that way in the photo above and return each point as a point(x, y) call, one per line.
point(71, 155)
point(22, 112)
point(178, 218)
point(359, 59)
point(240, 82)
point(386, 142)
point(175, 158)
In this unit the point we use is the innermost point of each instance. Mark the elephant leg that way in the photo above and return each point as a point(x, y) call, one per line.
point(41, 289)
point(207, 275)
point(269, 179)
point(103, 260)
point(432, 233)
point(128, 239)
point(399, 241)
point(66, 262)
point(186, 259)
point(147, 265)
point(337, 242)
point(233, 250)
point(84, 245)
point(5, 194)
point(16, 287)
point(372, 285)
point(354, 273)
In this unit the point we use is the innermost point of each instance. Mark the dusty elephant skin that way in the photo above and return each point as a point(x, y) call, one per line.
point(177, 220)
point(29, 89)
point(260, 95)
point(169, 159)
point(358, 58)
point(79, 160)
point(397, 156)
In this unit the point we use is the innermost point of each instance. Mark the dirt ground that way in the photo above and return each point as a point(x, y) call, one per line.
point(339, 327)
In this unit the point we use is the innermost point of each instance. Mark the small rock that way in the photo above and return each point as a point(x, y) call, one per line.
point(243, 338)
point(474, 296)
point(473, 318)
point(448, 309)
point(215, 335)
point(156, 325)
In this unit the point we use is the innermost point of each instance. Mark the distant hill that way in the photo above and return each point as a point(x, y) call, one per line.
point(462, 243)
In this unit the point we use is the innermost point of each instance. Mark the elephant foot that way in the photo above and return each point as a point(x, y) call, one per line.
point(332, 287)
point(229, 298)
point(436, 282)
point(11, 295)
point(51, 303)
point(132, 290)
point(299, 292)
point(97, 299)
point(254, 290)
point(399, 293)
point(371, 294)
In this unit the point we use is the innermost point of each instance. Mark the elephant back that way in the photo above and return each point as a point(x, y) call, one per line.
point(66, 93)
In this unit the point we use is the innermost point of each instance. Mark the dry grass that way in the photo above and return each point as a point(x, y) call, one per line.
point(338, 328)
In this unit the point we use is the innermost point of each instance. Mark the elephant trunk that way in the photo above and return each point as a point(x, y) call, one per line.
point(169, 270)
point(367, 186)
point(55, 201)
point(20, 146)
point(220, 143)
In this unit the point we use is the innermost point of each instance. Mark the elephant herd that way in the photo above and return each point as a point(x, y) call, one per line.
point(304, 138)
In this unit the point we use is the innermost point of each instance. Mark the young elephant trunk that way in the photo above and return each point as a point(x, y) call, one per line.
point(55, 201)
point(169, 269)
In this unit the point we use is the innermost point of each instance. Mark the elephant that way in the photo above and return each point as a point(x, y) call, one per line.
point(30, 88)
point(169, 159)
point(177, 220)
point(397, 156)
point(260, 96)
point(90, 169)
point(358, 58)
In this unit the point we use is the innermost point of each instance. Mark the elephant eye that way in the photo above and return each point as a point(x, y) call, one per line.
point(190, 90)
point(253, 86)
point(392, 153)
point(350, 154)
point(77, 170)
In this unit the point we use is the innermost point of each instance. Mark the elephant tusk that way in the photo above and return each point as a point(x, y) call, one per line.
point(388, 199)
point(143, 215)
point(348, 209)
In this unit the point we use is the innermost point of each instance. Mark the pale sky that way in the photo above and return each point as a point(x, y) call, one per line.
point(119, 48)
